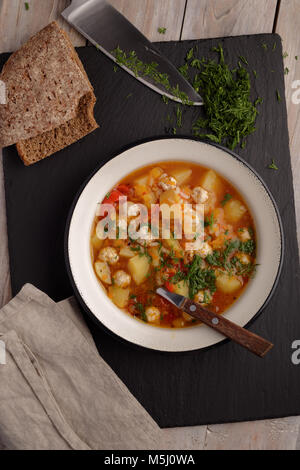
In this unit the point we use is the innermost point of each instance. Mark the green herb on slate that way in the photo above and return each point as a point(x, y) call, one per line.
point(179, 116)
point(243, 59)
point(141, 69)
point(162, 30)
point(255, 73)
point(273, 166)
point(265, 46)
point(230, 114)
point(258, 101)
point(278, 96)
point(285, 55)
point(26, 6)
point(184, 70)
point(274, 45)
point(190, 54)
point(286, 71)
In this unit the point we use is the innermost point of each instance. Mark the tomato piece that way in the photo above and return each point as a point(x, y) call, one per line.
point(170, 287)
point(113, 197)
point(124, 188)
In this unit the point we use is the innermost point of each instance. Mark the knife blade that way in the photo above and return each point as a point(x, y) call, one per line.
point(108, 29)
point(236, 333)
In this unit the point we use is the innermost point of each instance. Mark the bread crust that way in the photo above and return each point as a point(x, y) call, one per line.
point(44, 145)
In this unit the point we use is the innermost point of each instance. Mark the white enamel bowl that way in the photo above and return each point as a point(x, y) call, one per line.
point(255, 193)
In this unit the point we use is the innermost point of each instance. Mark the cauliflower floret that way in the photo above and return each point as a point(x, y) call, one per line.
point(203, 297)
point(189, 256)
point(200, 195)
point(122, 279)
point(243, 258)
point(167, 182)
point(205, 250)
point(152, 314)
point(244, 234)
point(109, 254)
point(159, 278)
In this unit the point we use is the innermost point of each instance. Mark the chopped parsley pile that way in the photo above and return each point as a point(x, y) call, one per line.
point(229, 112)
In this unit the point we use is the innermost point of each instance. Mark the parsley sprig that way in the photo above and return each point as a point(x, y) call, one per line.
point(141, 69)
point(230, 114)
point(200, 278)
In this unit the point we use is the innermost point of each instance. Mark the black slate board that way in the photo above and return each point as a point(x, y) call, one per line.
point(223, 384)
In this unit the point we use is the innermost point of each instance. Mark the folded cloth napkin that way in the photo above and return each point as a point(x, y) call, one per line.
point(55, 390)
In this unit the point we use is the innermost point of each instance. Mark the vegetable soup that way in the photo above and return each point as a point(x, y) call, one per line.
point(214, 275)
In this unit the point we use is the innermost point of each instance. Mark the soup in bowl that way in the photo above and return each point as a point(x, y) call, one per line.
point(240, 229)
point(213, 269)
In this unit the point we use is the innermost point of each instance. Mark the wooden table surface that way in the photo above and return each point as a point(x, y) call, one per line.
point(184, 19)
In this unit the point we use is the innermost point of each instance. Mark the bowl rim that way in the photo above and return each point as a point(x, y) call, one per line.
point(118, 152)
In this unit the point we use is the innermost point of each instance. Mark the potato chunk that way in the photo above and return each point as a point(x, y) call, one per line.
point(182, 175)
point(141, 180)
point(139, 268)
point(97, 242)
point(182, 288)
point(126, 252)
point(174, 245)
point(211, 182)
point(227, 284)
point(234, 211)
point(155, 255)
point(119, 296)
point(170, 197)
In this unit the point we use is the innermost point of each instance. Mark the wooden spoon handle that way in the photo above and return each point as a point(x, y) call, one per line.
point(243, 337)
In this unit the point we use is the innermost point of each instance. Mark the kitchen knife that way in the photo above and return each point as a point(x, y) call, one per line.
point(107, 29)
point(243, 337)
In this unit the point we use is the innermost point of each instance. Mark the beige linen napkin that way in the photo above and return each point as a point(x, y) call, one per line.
point(55, 390)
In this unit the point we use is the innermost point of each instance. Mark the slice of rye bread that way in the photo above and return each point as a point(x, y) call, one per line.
point(46, 144)
point(37, 148)
point(50, 93)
